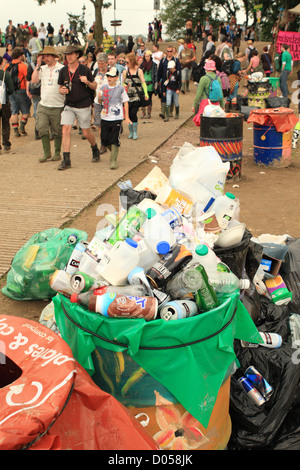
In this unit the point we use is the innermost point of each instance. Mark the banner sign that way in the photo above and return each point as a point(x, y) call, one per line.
point(292, 39)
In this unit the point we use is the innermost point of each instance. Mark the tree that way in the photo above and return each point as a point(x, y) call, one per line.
point(98, 5)
point(79, 21)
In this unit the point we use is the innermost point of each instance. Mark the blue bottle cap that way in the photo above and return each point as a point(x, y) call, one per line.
point(131, 242)
point(163, 247)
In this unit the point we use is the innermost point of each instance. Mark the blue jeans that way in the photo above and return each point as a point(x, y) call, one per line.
point(172, 96)
point(283, 83)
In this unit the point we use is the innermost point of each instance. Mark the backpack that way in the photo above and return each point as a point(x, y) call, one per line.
point(13, 70)
point(252, 50)
point(227, 66)
point(215, 90)
point(225, 83)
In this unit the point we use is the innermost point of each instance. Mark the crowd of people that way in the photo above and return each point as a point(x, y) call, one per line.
point(97, 87)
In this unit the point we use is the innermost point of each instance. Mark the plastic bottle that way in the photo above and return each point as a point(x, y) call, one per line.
point(92, 256)
point(118, 262)
point(83, 299)
point(168, 196)
point(122, 306)
point(158, 232)
point(147, 203)
point(184, 283)
point(137, 277)
point(129, 225)
point(173, 217)
point(226, 283)
point(207, 258)
point(75, 258)
point(205, 297)
point(147, 255)
point(168, 266)
point(224, 208)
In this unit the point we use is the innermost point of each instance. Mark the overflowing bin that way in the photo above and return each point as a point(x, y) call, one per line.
point(225, 134)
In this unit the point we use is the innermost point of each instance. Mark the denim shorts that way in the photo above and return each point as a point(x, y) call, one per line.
point(20, 102)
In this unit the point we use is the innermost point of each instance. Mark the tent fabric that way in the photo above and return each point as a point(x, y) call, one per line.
point(192, 372)
point(284, 119)
point(295, 10)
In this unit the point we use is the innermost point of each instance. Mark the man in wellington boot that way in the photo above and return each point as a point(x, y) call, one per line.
point(167, 113)
point(57, 147)
point(46, 148)
point(66, 163)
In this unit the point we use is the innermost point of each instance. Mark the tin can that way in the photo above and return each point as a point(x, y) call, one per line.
point(81, 282)
point(251, 391)
point(60, 282)
point(257, 380)
point(179, 309)
point(173, 217)
point(161, 297)
point(75, 258)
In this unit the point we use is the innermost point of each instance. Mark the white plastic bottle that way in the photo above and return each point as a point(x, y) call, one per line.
point(148, 257)
point(226, 283)
point(207, 258)
point(224, 209)
point(158, 232)
point(117, 263)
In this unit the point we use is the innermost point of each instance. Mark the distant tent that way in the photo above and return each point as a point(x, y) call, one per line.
point(295, 10)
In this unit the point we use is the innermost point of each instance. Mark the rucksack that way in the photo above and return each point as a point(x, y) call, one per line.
point(225, 83)
point(13, 70)
point(252, 50)
point(227, 66)
point(215, 90)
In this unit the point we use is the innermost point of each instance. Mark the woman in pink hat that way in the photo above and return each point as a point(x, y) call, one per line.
point(209, 89)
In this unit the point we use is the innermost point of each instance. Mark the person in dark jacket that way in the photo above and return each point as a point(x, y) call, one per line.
point(162, 77)
point(5, 111)
point(150, 70)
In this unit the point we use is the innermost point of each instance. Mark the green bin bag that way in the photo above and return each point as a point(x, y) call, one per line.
point(37, 260)
point(189, 357)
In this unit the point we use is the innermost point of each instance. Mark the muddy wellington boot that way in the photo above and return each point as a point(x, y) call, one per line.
point(57, 147)
point(162, 113)
point(167, 113)
point(113, 157)
point(46, 148)
point(176, 112)
point(22, 126)
point(66, 163)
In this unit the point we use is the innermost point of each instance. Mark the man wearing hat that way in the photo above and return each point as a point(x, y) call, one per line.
point(50, 106)
point(227, 51)
point(77, 85)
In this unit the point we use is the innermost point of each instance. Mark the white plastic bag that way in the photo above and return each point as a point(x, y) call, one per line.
point(212, 110)
point(199, 173)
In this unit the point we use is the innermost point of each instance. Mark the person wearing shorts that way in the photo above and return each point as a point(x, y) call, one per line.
point(19, 101)
point(115, 108)
point(77, 84)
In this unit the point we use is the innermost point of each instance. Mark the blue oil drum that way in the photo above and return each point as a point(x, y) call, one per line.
point(271, 148)
point(225, 134)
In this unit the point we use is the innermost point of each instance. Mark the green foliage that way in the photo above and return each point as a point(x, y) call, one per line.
point(80, 22)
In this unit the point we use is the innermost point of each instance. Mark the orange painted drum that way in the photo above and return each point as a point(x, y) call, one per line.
point(225, 134)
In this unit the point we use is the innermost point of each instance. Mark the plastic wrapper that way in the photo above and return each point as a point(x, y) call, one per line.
point(37, 260)
point(256, 427)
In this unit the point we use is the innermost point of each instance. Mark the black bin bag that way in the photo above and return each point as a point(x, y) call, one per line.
point(257, 427)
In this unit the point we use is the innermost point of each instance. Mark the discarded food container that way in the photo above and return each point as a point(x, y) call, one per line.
point(226, 136)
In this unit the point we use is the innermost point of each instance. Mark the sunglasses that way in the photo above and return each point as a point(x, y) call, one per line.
point(170, 51)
